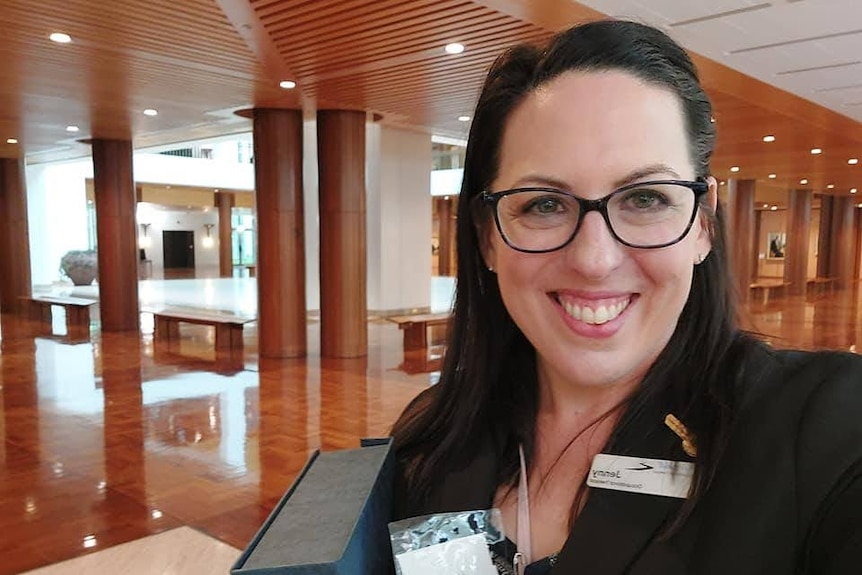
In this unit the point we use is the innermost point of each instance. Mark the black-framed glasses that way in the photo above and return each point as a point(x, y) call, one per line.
point(646, 215)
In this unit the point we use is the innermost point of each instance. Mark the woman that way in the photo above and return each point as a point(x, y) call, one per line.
point(594, 300)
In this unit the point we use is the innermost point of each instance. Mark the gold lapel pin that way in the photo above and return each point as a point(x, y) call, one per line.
point(689, 445)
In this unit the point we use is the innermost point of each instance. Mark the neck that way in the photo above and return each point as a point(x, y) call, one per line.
point(566, 401)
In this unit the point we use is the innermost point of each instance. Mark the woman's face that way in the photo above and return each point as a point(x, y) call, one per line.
point(597, 312)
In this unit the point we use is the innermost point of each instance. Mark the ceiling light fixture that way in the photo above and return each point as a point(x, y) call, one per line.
point(464, 118)
point(151, 112)
point(803, 181)
point(816, 151)
point(734, 169)
point(772, 176)
point(852, 190)
point(72, 129)
point(774, 208)
point(769, 138)
point(11, 141)
point(765, 205)
point(60, 38)
point(454, 48)
point(287, 84)
point(830, 186)
point(853, 161)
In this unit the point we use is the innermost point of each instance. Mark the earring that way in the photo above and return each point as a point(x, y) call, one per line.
point(700, 258)
point(491, 269)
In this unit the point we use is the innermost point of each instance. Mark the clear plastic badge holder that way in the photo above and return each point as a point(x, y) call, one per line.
point(446, 543)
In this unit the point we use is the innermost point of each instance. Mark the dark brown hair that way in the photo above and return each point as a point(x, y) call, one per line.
point(488, 380)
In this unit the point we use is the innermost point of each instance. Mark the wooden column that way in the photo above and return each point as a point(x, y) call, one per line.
point(343, 274)
point(14, 237)
point(824, 238)
point(280, 233)
point(841, 248)
point(116, 198)
point(741, 244)
point(446, 236)
point(798, 236)
point(224, 201)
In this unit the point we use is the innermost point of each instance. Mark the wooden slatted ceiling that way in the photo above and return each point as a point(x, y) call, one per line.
point(183, 58)
point(189, 58)
point(388, 55)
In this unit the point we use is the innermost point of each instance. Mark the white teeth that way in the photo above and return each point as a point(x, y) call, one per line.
point(602, 314)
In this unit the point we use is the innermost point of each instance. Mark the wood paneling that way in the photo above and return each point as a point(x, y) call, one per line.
point(281, 233)
point(343, 273)
point(824, 238)
point(224, 201)
point(14, 237)
point(740, 230)
point(798, 238)
point(116, 201)
point(843, 238)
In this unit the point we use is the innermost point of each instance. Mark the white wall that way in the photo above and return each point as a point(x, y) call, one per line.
point(57, 212)
point(310, 203)
point(398, 166)
point(206, 259)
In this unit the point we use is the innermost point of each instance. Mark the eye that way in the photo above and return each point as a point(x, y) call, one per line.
point(544, 205)
point(645, 199)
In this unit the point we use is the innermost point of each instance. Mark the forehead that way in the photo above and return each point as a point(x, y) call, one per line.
point(588, 128)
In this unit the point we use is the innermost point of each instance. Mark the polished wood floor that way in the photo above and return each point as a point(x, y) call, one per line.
point(110, 440)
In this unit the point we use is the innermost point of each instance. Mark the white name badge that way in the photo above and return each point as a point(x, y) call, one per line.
point(641, 475)
point(466, 555)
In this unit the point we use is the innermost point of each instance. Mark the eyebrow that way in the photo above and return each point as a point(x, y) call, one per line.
point(630, 178)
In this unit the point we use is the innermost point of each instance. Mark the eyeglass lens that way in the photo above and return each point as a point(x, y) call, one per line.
point(653, 215)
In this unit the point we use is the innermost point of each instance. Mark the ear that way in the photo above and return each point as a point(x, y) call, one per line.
point(704, 236)
point(487, 246)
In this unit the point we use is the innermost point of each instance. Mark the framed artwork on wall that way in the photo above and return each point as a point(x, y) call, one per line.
point(775, 245)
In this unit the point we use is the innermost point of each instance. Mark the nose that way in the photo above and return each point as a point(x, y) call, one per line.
point(594, 252)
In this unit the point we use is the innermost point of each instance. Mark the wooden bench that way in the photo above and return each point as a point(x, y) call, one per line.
point(820, 285)
point(767, 289)
point(415, 328)
point(77, 312)
point(228, 328)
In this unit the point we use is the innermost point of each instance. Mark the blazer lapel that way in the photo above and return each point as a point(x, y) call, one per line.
point(615, 527)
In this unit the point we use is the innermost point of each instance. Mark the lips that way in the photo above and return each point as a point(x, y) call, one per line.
point(596, 311)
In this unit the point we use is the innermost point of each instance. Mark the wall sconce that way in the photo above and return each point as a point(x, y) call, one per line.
point(144, 240)
point(208, 241)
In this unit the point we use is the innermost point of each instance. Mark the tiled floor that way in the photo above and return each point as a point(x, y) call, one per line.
point(178, 551)
point(108, 441)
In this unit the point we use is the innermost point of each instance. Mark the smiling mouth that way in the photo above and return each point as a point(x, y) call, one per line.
point(596, 314)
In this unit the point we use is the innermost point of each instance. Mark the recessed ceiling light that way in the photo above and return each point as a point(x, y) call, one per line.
point(816, 151)
point(773, 208)
point(712, 119)
point(765, 205)
point(11, 141)
point(454, 48)
point(830, 186)
point(769, 138)
point(803, 181)
point(852, 190)
point(734, 169)
point(772, 176)
point(853, 161)
point(72, 129)
point(60, 38)
point(463, 118)
point(287, 84)
point(151, 112)
point(721, 183)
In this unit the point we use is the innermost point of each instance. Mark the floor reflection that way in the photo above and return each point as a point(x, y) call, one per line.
point(111, 440)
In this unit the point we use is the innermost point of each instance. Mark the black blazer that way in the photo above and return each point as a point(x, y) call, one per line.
point(787, 498)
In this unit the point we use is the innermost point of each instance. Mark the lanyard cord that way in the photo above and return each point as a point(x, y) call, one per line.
point(524, 531)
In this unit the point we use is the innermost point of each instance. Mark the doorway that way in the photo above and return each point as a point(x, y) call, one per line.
point(179, 253)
